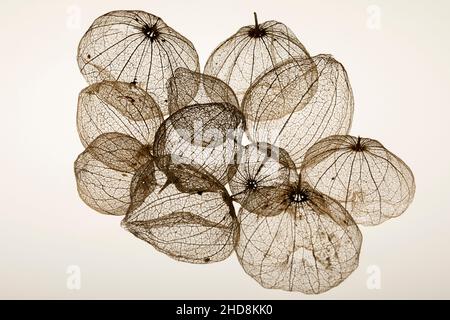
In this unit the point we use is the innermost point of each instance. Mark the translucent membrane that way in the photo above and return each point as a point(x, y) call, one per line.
point(111, 106)
point(187, 87)
point(251, 51)
point(105, 172)
point(206, 136)
point(135, 47)
point(372, 183)
point(319, 104)
point(310, 246)
point(195, 227)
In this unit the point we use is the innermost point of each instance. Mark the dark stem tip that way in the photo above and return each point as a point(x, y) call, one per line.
point(256, 20)
point(256, 31)
point(358, 146)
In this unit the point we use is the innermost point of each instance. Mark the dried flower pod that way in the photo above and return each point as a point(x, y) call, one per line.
point(259, 177)
point(311, 246)
point(284, 90)
point(240, 59)
point(188, 87)
point(112, 106)
point(106, 169)
point(196, 227)
point(206, 136)
point(372, 183)
point(329, 111)
point(135, 47)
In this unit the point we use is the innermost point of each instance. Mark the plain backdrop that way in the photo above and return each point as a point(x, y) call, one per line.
point(397, 56)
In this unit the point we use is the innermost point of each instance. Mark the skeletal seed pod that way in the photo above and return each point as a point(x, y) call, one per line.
point(311, 245)
point(206, 136)
point(135, 47)
point(372, 183)
point(105, 172)
point(281, 116)
point(112, 106)
point(260, 176)
point(198, 227)
point(252, 50)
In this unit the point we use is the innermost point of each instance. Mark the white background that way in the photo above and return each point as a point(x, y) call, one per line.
point(399, 70)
